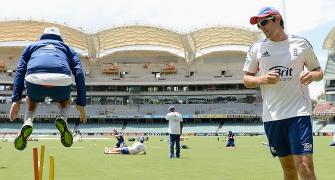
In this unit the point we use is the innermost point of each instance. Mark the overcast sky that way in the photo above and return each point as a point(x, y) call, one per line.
point(311, 19)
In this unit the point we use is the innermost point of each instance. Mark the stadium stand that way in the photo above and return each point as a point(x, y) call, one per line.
point(328, 128)
point(2, 67)
point(256, 128)
point(323, 107)
point(135, 72)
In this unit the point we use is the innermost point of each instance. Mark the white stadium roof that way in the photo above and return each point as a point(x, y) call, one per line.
point(139, 37)
point(24, 32)
point(133, 37)
point(222, 38)
point(329, 43)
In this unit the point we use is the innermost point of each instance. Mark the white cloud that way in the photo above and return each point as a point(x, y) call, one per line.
point(306, 15)
point(180, 15)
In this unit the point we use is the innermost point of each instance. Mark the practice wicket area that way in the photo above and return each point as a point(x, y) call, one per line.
point(38, 165)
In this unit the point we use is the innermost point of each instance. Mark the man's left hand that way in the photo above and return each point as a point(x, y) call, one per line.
point(306, 77)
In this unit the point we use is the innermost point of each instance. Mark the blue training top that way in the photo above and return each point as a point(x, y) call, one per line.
point(49, 55)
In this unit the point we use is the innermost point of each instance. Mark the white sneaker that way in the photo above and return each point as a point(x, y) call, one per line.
point(28, 122)
point(106, 150)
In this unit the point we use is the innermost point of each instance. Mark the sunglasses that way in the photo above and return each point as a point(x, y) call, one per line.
point(265, 21)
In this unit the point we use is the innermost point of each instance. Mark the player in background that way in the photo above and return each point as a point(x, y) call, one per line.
point(230, 139)
point(76, 131)
point(333, 143)
point(136, 148)
point(175, 130)
point(120, 139)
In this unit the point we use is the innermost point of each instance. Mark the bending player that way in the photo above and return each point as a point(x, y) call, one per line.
point(230, 139)
point(120, 139)
point(76, 131)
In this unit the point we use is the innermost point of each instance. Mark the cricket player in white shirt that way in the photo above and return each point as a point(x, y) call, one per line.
point(283, 65)
point(175, 130)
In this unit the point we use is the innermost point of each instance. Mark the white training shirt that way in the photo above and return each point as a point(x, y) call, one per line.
point(51, 79)
point(174, 119)
point(136, 148)
point(288, 97)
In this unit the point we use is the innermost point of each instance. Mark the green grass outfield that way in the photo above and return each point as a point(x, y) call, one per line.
point(206, 160)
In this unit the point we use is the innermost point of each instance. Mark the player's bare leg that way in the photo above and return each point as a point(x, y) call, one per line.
point(289, 169)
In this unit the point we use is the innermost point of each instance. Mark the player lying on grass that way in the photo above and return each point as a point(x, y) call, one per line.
point(136, 148)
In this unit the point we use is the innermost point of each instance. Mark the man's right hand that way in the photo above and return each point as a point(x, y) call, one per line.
point(14, 110)
point(81, 110)
point(271, 77)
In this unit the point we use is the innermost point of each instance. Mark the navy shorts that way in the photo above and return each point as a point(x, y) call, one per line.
point(230, 144)
point(125, 150)
point(292, 136)
point(38, 93)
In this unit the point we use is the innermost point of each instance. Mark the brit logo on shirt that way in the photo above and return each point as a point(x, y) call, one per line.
point(285, 73)
point(266, 54)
